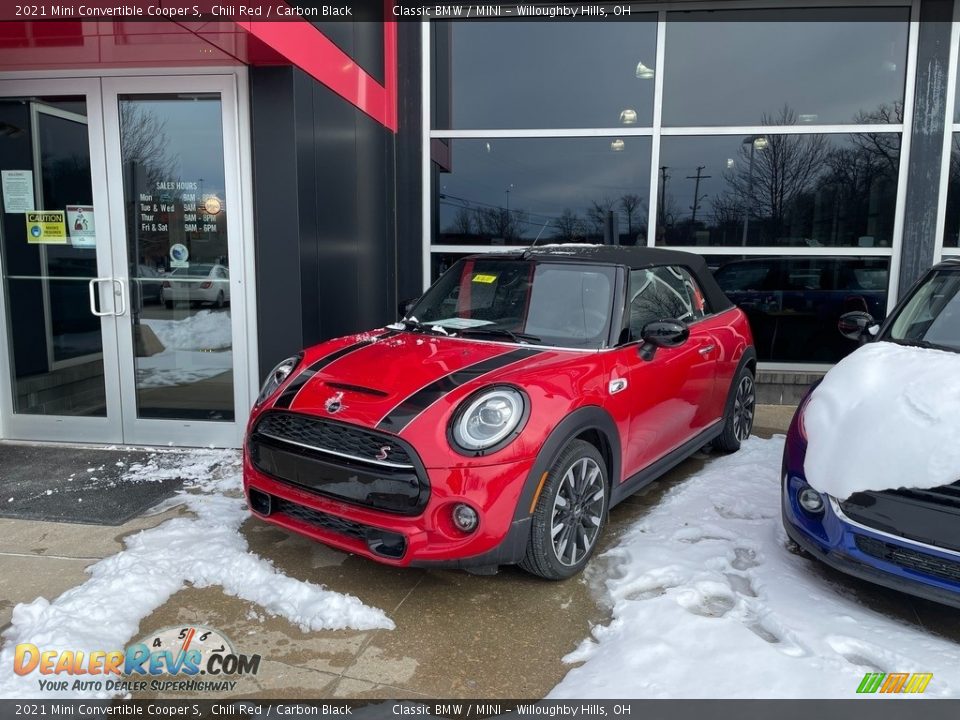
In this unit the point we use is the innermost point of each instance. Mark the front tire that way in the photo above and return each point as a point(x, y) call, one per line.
point(570, 515)
point(739, 420)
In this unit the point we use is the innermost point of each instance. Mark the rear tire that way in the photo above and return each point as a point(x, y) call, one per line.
point(570, 515)
point(739, 419)
point(169, 304)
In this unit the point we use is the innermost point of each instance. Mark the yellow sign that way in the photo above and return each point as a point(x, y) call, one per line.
point(486, 279)
point(46, 228)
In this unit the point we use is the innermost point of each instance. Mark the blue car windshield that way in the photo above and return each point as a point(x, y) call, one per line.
point(564, 304)
point(931, 318)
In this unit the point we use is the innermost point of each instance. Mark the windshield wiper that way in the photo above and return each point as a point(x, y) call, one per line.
point(414, 325)
point(500, 332)
point(925, 344)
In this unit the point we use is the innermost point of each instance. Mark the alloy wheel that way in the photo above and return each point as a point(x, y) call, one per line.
point(577, 511)
point(743, 407)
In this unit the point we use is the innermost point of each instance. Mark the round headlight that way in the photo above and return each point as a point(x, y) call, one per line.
point(487, 419)
point(810, 500)
point(276, 377)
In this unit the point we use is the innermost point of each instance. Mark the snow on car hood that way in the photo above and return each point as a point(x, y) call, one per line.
point(885, 417)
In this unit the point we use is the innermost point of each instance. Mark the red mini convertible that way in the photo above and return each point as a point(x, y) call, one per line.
point(521, 397)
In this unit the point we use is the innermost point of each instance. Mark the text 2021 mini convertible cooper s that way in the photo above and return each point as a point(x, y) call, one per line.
point(518, 400)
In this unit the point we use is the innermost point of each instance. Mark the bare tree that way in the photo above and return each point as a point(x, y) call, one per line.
point(632, 205)
point(464, 222)
point(769, 183)
point(568, 227)
point(499, 223)
point(144, 143)
point(597, 213)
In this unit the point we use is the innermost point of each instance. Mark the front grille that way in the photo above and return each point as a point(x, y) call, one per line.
point(382, 542)
point(945, 495)
point(321, 519)
point(909, 558)
point(335, 438)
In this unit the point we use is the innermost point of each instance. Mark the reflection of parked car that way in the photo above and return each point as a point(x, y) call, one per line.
point(902, 538)
point(793, 303)
point(519, 399)
point(202, 283)
point(148, 284)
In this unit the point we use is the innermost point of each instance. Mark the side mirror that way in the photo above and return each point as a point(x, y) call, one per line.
point(857, 325)
point(405, 306)
point(662, 333)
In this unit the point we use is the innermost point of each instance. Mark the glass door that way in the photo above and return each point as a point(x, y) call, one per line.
point(175, 211)
point(120, 244)
point(59, 296)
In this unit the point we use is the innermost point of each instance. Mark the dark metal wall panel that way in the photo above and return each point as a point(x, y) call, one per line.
point(362, 41)
point(409, 144)
point(926, 141)
point(325, 210)
point(276, 214)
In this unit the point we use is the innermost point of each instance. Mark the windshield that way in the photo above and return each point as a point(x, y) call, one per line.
point(931, 318)
point(562, 304)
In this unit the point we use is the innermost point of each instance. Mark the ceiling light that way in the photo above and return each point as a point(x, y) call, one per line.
point(617, 145)
point(643, 72)
point(808, 118)
point(628, 117)
point(760, 143)
point(730, 163)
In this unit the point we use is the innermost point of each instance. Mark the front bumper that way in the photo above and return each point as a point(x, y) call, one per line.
point(876, 556)
point(428, 538)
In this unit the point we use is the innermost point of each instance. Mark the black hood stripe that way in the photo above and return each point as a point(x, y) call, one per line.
point(404, 413)
point(290, 392)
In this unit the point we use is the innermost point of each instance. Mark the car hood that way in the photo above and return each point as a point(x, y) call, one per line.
point(385, 379)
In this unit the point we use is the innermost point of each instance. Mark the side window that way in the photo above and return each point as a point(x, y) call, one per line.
point(663, 293)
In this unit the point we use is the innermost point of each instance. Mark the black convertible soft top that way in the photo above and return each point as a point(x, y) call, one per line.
point(632, 257)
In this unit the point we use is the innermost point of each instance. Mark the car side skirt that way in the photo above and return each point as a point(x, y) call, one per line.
point(669, 461)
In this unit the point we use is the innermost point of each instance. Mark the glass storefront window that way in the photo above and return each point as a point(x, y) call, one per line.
point(778, 190)
point(175, 202)
point(513, 191)
point(951, 227)
point(536, 74)
point(793, 302)
point(821, 66)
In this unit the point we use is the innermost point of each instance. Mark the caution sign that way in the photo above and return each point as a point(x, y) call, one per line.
point(46, 228)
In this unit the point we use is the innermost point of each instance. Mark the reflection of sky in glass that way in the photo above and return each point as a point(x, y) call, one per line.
point(542, 177)
point(194, 140)
point(733, 73)
point(550, 74)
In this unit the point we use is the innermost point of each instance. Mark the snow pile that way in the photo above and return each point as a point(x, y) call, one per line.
point(204, 330)
point(181, 367)
point(887, 416)
point(708, 603)
point(105, 612)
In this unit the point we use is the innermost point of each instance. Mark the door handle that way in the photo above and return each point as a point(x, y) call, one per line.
point(706, 350)
point(92, 287)
point(119, 292)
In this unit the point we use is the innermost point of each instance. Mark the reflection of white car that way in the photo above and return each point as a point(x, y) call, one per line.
point(202, 283)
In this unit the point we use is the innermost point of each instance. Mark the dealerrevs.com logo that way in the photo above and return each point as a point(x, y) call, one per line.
point(178, 655)
point(888, 683)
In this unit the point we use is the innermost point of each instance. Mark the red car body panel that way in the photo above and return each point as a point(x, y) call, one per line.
point(409, 385)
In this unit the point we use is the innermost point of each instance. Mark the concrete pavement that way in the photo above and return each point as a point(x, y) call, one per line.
point(456, 635)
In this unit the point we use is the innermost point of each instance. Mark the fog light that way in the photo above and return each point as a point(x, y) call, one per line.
point(810, 500)
point(465, 518)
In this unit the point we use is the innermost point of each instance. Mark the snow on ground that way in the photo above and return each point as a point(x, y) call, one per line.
point(202, 550)
point(707, 602)
point(195, 348)
point(204, 330)
point(181, 367)
point(886, 416)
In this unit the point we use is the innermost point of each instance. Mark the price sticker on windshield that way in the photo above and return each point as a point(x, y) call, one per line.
point(485, 279)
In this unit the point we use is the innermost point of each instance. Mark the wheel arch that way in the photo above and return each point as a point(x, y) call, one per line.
point(592, 424)
point(747, 360)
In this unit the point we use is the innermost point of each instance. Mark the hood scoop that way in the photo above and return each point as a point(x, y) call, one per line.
point(357, 389)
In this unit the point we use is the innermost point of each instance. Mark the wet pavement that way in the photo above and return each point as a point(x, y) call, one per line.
point(457, 635)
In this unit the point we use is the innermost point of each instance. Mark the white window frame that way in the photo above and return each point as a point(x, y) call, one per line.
point(656, 131)
point(949, 128)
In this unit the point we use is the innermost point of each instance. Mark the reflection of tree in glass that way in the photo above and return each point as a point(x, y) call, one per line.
point(633, 205)
point(143, 142)
point(568, 227)
point(769, 184)
point(500, 223)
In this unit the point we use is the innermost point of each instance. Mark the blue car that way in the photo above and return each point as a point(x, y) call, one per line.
point(908, 540)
